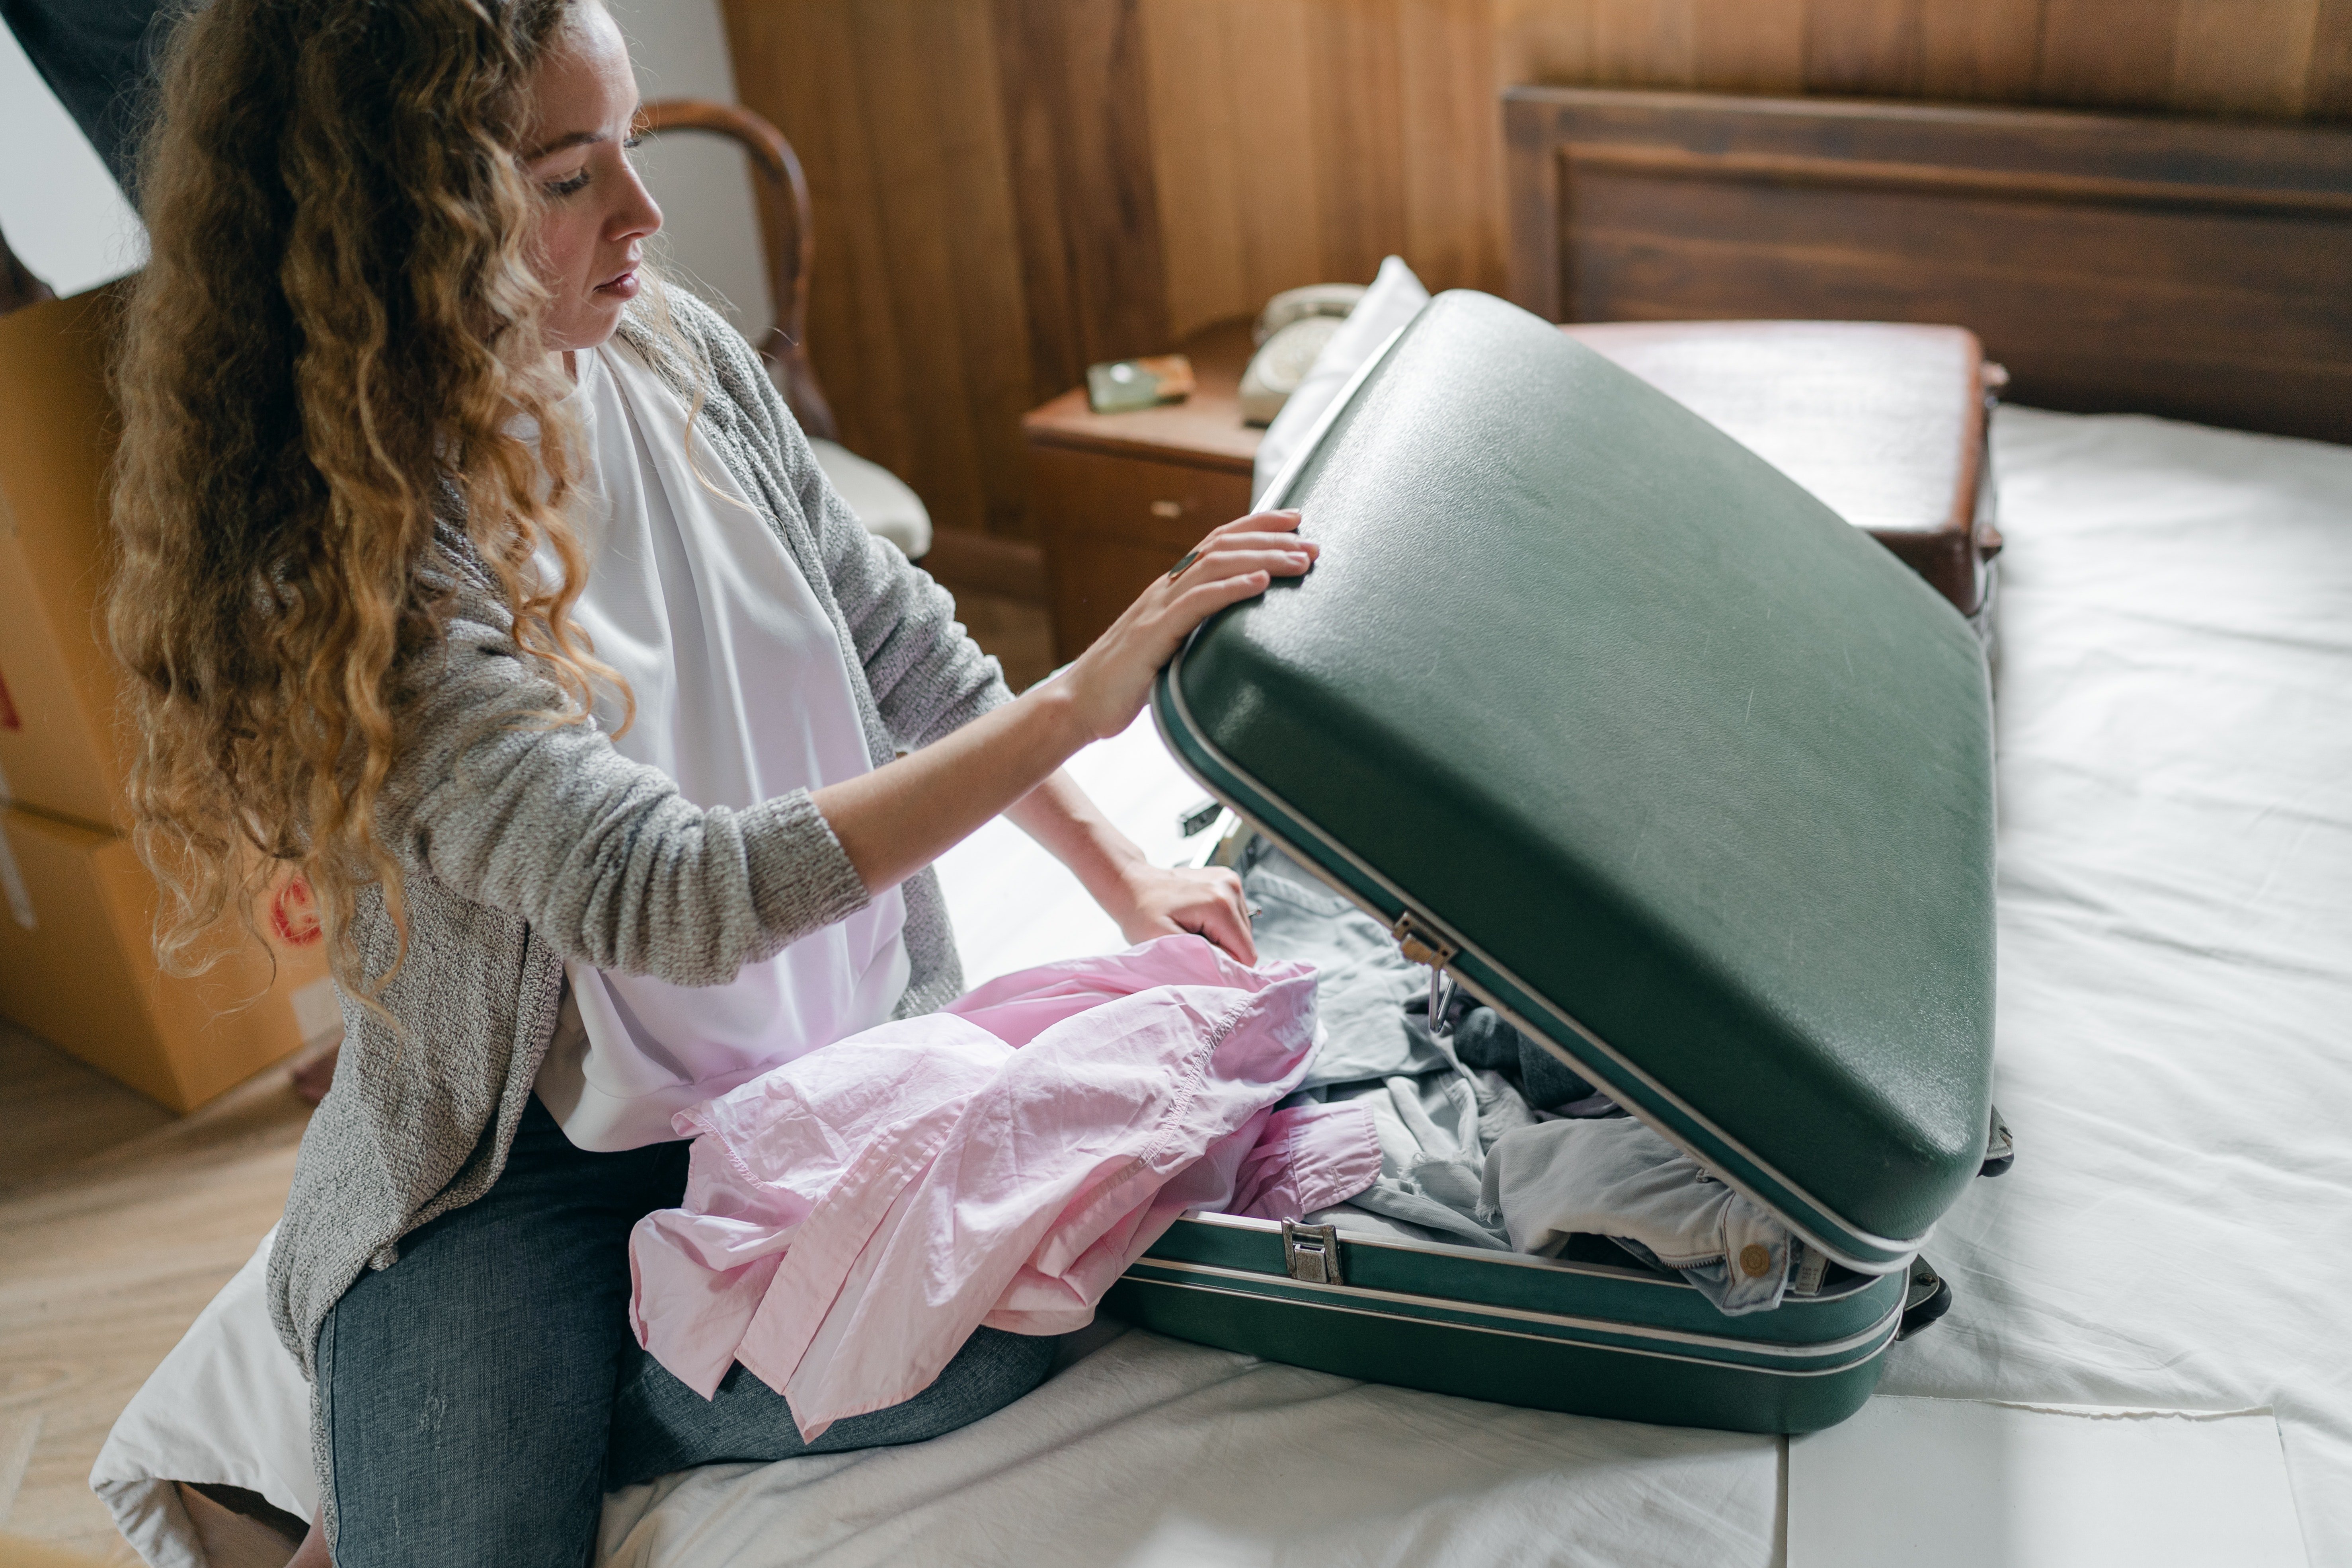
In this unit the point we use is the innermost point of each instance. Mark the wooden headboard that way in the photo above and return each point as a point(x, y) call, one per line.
point(2196, 269)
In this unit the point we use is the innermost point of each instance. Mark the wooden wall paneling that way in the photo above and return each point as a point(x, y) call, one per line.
point(936, 147)
point(917, 316)
point(1983, 52)
point(1453, 172)
point(1033, 132)
point(1234, 154)
point(795, 68)
point(2243, 57)
point(1862, 48)
point(2107, 54)
point(1078, 119)
point(1198, 161)
point(1196, 157)
point(1009, 189)
point(1749, 45)
point(1543, 40)
point(1301, 141)
point(1355, 91)
point(1643, 43)
point(2327, 91)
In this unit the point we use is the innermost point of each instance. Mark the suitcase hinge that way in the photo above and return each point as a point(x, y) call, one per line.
point(1420, 946)
point(1310, 1253)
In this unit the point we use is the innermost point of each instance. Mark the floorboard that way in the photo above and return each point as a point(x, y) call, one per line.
point(113, 1237)
point(59, 1111)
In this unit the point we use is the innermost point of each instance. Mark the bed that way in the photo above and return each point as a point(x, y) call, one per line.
point(2175, 1035)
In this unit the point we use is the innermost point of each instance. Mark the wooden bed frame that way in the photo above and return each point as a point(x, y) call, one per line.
point(2197, 268)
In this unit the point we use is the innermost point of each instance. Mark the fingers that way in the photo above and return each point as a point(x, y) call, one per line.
point(1282, 521)
point(1205, 598)
point(1264, 544)
point(1223, 918)
point(1239, 555)
point(1234, 911)
point(1259, 544)
point(1236, 563)
point(1206, 903)
point(1228, 930)
point(1113, 678)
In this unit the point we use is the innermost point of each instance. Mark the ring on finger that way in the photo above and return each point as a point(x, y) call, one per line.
point(1178, 570)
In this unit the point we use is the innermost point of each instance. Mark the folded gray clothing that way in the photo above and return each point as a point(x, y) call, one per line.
point(1432, 1160)
point(1362, 983)
point(1501, 1108)
point(1483, 1038)
point(1619, 1179)
point(1354, 1221)
point(1435, 1118)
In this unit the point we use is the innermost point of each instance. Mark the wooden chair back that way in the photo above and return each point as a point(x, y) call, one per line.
point(786, 234)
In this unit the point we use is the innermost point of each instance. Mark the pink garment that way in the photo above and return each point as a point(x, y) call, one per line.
point(851, 1217)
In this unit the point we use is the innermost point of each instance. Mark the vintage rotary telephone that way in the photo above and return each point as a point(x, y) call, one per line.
point(1290, 332)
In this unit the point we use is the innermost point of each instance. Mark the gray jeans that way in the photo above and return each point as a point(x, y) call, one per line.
point(482, 1393)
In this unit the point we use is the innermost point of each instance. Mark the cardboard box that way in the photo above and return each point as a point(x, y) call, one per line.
point(59, 686)
point(78, 967)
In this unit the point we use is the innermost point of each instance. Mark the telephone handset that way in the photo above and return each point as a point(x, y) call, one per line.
point(1333, 299)
point(1290, 333)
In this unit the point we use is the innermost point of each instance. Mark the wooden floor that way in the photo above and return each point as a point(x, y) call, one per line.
point(1018, 633)
point(118, 1222)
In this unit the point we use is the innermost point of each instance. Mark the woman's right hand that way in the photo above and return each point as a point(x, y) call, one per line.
point(901, 817)
point(1112, 681)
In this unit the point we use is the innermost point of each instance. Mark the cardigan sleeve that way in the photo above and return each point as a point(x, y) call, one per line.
point(601, 855)
point(928, 675)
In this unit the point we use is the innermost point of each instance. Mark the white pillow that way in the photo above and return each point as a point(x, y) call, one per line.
point(1395, 296)
point(227, 1407)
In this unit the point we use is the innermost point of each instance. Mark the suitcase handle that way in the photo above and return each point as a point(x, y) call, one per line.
point(1926, 1297)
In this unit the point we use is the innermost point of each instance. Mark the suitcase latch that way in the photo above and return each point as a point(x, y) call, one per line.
point(1310, 1253)
point(1424, 947)
point(1420, 946)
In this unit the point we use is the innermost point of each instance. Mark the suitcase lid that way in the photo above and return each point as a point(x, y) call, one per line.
point(1684, 774)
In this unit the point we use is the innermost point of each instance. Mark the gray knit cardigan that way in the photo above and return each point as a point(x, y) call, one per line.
point(523, 845)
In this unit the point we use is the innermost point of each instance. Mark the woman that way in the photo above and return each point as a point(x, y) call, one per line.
point(510, 605)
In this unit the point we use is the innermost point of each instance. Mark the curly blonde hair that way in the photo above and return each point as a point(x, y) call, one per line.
point(335, 346)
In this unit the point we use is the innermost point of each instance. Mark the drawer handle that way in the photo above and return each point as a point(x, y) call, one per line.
point(1168, 509)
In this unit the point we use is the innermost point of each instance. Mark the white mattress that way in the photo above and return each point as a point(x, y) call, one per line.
point(2175, 1057)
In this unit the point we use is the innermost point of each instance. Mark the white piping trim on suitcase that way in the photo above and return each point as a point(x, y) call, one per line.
point(1288, 475)
point(1628, 1273)
point(1906, 1249)
point(1546, 1338)
point(1274, 1288)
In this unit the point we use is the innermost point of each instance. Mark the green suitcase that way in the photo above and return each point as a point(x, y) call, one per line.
point(1683, 776)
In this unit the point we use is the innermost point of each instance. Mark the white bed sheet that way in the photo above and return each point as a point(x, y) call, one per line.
point(2174, 1056)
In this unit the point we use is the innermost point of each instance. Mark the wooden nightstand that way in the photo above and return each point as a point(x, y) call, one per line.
point(1121, 496)
point(1885, 423)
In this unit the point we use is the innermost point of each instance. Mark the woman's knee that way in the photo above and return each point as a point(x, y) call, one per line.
point(465, 1392)
point(443, 1452)
point(994, 1368)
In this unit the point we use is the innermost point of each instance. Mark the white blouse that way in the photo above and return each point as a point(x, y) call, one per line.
point(743, 693)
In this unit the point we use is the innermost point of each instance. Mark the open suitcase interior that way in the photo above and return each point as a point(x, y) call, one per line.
point(1648, 752)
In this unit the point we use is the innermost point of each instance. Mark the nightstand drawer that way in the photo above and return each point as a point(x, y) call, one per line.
point(1111, 522)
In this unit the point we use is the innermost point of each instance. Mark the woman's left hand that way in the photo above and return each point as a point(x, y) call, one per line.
point(1158, 900)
